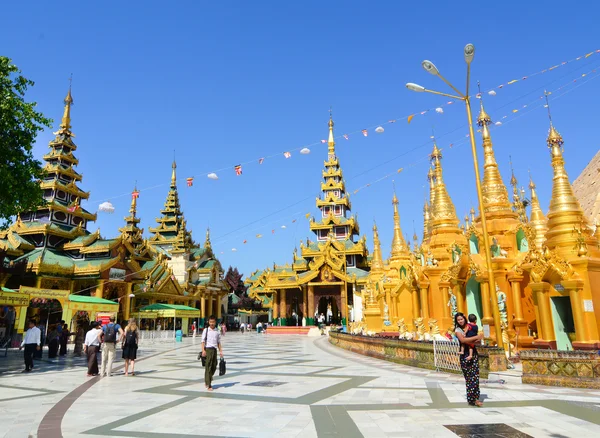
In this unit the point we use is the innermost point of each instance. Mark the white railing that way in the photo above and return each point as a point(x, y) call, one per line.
point(152, 336)
point(446, 355)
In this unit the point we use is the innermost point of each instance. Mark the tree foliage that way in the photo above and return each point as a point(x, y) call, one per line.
point(235, 281)
point(19, 125)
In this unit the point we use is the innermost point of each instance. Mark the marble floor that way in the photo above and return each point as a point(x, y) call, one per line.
point(278, 386)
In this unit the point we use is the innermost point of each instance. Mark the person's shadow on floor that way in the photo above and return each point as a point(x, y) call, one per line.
point(225, 385)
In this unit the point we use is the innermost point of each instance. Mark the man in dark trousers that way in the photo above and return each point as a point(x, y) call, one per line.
point(32, 343)
point(211, 340)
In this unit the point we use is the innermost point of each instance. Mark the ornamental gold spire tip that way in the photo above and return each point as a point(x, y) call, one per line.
point(65, 124)
point(174, 175)
point(483, 118)
point(331, 141)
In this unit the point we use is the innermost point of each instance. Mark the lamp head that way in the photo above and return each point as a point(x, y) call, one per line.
point(131, 295)
point(430, 67)
point(469, 52)
point(415, 87)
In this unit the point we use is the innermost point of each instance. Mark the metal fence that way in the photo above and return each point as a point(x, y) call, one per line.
point(155, 336)
point(446, 355)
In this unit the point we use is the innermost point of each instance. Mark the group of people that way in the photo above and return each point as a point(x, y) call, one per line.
point(105, 338)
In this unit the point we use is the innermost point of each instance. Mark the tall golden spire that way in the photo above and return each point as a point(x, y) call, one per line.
point(431, 179)
point(443, 213)
point(495, 195)
point(377, 261)
point(207, 244)
point(426, 222)
point(65, 125)
point(330, 141)
point(133, 207)
point(537, 220)
point(565, 213)
point(398, 243)
point(174, 175)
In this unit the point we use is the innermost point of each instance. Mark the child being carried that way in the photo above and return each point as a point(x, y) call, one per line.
point(472, 330)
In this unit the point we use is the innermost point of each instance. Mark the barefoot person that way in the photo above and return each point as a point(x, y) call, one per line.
point(32, 343)
point(130, 346)
point(211, 340)
point(91, 346)
point(470, 368)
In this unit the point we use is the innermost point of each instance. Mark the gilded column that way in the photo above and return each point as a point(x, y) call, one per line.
point(99, 289)
point(424, 301)
point(304, 302)
point(575, 287)
point(311, 304)
point(444, 287)
point(388, 300)
point(416, 309)
point(282, 306)
point(543, 301)
point(275, 306)
point(203, 307)
point(344, 302)
point(218, 302)
point(485, 302)
point(210, 305)
point(515, 285)
point(127, 304)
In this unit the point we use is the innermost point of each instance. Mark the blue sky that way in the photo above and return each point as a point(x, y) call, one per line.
point(228, 82)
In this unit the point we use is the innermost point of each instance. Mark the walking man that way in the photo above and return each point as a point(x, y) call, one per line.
point(32, 343)
point(211, 340)
point(109, 339)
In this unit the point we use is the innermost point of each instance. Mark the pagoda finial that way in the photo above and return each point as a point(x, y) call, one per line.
point(426, 222)
point(330, 141)
point(443, 213)
point(495, 194)
point(377, 262)
point(174, 175)
point(207, 244)
point(565, 212)
point(134, 196)
point(65, 125)
point(398, 242)
point(537, 219)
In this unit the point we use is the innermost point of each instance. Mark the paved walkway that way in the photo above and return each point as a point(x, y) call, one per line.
point(280, 386)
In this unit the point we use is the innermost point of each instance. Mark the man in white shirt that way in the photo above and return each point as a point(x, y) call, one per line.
point(31, 342)
point(91, 346)
point(211, 340)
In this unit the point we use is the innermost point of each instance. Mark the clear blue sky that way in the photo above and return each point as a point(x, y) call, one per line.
point(228, 82)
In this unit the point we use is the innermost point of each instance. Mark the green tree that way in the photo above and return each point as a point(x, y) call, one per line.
point(19, 125)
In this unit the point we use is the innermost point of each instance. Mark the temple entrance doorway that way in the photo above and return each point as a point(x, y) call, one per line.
point(562, 318)
point(328, 307)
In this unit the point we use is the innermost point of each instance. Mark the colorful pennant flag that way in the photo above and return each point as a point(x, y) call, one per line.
point(392, 121)
point(294, 220)
point(135, 194)
point(323, 141)
point(213, 176)
point(409, 118)
point(261, 160)
point(307, 215)
point(305, 151)
point(287, 154)
point(365, 132)
point(238, 169)
point(190, 182)
point(346, 136)
point(272, 231)
point(245, 241)
point(379, 129)
point(284, 227)
point(258, 236)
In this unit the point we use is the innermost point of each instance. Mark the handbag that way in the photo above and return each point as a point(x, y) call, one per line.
point(222, 367)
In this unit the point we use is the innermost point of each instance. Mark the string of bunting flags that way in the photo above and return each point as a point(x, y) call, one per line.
point(513, 115)
point(379, 129)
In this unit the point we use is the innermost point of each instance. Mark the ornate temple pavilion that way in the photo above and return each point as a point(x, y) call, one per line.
point(327, 276)
point(52, 263)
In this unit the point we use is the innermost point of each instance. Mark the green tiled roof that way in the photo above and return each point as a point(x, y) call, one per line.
point(206, 264)
point(167, 307)
point(5, 289)
point(359, 272)
point(91, 300)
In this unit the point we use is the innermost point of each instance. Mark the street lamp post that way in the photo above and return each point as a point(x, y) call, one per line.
point(431, 68)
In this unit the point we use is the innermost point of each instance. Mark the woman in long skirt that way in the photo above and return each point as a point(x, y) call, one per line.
point(470, 368)
point(91, 347)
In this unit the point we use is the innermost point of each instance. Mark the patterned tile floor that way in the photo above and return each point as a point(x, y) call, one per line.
point(278, 386)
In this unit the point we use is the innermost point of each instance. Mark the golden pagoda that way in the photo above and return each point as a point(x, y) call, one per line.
point(563, 273)
point(328, 275)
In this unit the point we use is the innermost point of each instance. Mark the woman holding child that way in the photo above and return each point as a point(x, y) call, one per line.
point(469, 366)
